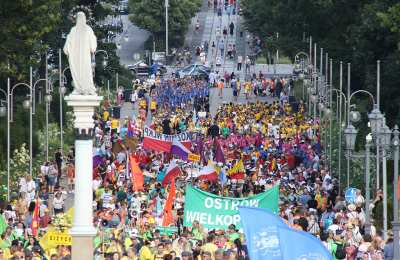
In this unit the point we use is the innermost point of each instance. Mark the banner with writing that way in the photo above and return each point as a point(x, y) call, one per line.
point(215, 212)
point(162, 143)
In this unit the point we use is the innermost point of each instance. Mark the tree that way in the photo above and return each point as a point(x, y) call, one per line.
point(19, 167)
point(150, 15)
point(30, 29)
point(23, 24)
point(359, 32)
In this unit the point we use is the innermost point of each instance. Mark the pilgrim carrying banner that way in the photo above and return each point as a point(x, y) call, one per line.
point(162, 143)
point(215, 212)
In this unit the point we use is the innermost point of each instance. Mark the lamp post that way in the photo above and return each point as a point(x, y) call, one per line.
point(350, 131)
point(340, 124)
point(375, 119)
point(105, 61)
point(48, 99)
point(303, 61)
point(61, 92)
point(166, 27)
point(368, 140)
point(26, 104)
point(384, 140)
point(330, 118)
point(350, 134)
point(395, 223)
point(3, 111)
point(339, 96)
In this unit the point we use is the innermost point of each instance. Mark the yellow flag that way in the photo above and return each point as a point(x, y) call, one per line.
point(238, 167)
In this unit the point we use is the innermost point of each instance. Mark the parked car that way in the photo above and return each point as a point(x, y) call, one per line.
point(194, 70)
point(140, 68)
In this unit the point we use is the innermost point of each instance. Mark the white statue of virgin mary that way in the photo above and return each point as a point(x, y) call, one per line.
point(80, 46)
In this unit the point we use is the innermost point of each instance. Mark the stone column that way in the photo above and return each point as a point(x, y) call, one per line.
point(83, 230)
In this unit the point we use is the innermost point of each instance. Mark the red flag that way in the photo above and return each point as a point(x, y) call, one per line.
point(168, 216)
point(208, 173)
point(237, 176)
point(35, 219)
point(137, 174)
point(172, 172)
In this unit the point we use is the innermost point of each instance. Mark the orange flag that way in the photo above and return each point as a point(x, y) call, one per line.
point(137, 174)
point(35, 219)
point(168, 217)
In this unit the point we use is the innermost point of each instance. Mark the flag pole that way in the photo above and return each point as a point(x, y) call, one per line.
point(191, 172)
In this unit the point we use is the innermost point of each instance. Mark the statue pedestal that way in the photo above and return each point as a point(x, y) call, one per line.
point(83, 106)
point(82, 230)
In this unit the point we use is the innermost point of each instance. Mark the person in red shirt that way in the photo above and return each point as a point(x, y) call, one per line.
point(45, 220)
point(70, 176)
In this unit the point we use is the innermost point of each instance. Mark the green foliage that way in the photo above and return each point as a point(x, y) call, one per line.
point(150, 15)
point(359, 32)
point(23, 24)
point(391, 18)
point(28, 30)
point(19, 167)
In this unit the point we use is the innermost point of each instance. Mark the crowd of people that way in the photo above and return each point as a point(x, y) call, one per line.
point(277, 143)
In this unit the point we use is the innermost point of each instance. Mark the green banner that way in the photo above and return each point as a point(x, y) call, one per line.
point(169, 231)
point(215, 212)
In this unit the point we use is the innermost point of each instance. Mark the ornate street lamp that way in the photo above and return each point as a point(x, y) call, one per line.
point(355, 116)
point(385, 136)
point(26, 104)
point(327, 111)
point(48, 98)
point(395, 223)
point(350, 134)
point(63, 90)
point(321, 106)
point(375, 118)
point(3, 111)
point(313, 98)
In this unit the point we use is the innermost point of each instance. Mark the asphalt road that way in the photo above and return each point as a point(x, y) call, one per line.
point(135, 44)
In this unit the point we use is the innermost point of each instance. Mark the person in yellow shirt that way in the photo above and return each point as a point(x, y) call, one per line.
point(5, 253)
point(153, 106)
point(145, 252)
point(247, 89)
point(114, 125)
point(114, 247)
point(143, 103)
point(210, 246)
point(106, 115)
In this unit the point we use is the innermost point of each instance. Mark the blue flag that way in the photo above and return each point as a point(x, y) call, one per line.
point(306, 246)
point(222, 177)
point(268, 237)
point(260, 228)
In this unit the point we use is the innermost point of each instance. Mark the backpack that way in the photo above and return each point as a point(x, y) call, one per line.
point(340, 252)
